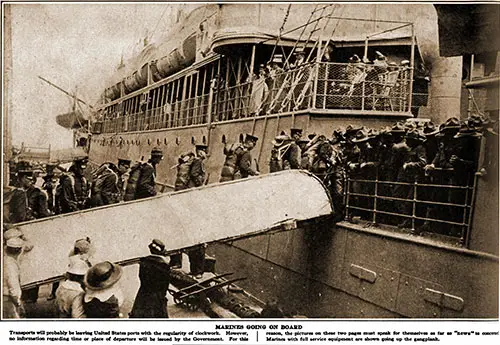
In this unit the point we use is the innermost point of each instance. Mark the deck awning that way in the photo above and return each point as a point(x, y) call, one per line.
point(181, 219)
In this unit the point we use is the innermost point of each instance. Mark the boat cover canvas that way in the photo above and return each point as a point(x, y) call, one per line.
point(181, 219)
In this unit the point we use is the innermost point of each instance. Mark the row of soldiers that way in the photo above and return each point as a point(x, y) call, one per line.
point(415, 151)
point(403, 154)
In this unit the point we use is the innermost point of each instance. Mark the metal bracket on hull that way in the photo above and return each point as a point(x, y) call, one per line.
point(444, 300)
point(363, 273)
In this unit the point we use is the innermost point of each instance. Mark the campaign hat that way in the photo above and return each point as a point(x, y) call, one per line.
point(15, 242)
point(354, 58)
point(102, 275)
point(361, 136)
point(201, 147)
point(397, 128)
point(249, 137)
point(298, 131)
point(12, 233)
point(124, 161)
point(373, 134)
point(450, 126)
point(81, 160)
point(303, 140)
point(27, 172)
point(467, 131)
point(156, 152)
point(414, 135)
point(430, 129)
point(280, 139)
point(157, 247)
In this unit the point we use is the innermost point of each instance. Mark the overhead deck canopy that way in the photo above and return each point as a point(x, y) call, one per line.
point(181, 219)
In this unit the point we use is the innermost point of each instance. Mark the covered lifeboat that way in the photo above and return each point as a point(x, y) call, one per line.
point(72, 120)
point(176, 50)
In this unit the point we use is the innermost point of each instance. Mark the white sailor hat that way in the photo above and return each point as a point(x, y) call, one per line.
point(15, 242)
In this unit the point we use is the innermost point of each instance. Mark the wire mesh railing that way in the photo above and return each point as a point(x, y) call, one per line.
point(441, 206)
point(322, 86)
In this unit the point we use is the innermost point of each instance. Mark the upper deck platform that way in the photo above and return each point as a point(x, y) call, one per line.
point(350, 89)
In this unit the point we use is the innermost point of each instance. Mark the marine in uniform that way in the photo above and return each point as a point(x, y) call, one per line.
point(230, 169)
point(294, 153)
point(105, 187)
point(48, 186)
point(123, 175)
point(72, 194)
point(146, 185)
point(198, 173)
point(361, 167)
point(411, 171)
point(154, 274)
point(191, 173)
point(18, 203)
point(281, 145)
point(37, 199)
point(245, 160)
point(441, 173)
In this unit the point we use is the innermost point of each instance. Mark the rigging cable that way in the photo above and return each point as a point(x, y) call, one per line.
point(281, 31)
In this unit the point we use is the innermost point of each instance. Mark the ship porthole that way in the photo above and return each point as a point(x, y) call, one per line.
point(165, 141)
point(204, 140)
point(223, 138)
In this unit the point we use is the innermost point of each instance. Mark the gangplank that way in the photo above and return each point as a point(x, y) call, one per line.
point(213, 213)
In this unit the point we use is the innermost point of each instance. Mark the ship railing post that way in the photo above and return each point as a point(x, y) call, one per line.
point(312, 99)
point(209, 109)
point(412, 67)
point(466, 236)
point(414, 205)
point(375, 197)
point(347, 199)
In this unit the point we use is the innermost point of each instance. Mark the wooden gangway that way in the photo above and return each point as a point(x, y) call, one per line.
point(212, 213)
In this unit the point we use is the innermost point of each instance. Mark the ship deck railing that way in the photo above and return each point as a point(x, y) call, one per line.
point(447, 208)
point(319, 86)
